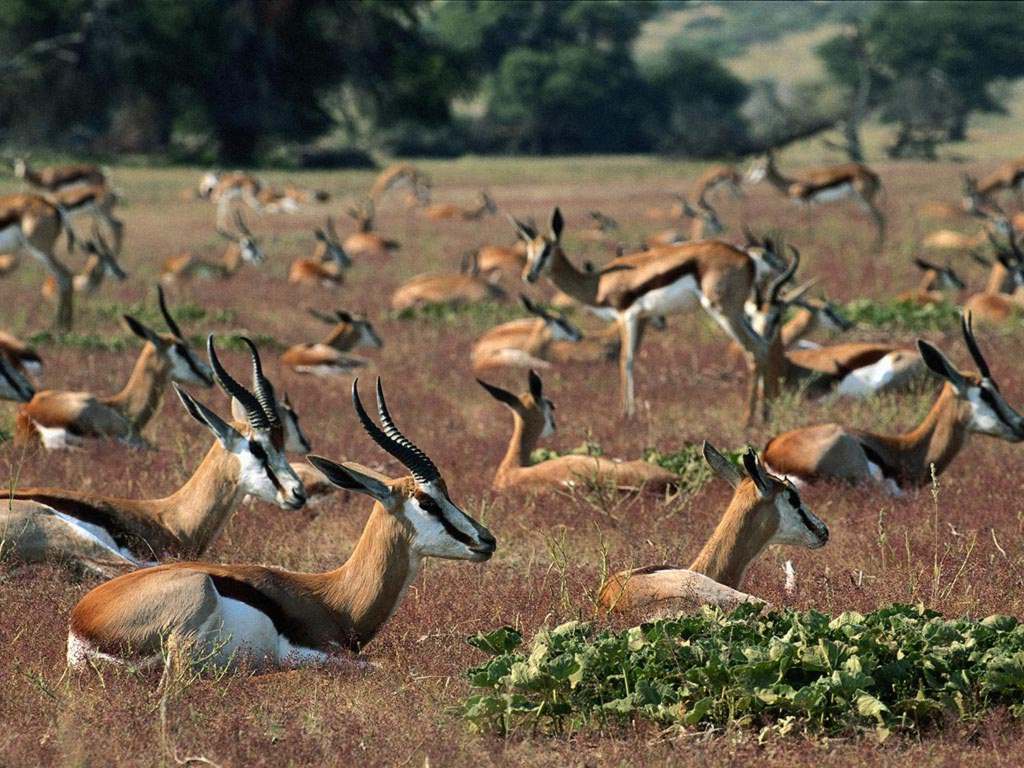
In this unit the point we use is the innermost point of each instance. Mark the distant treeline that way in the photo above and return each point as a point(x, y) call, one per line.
point(244, 80)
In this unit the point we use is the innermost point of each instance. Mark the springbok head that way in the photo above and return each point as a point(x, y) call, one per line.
point(539, 248)
point(294, 438)
point(558, 326)
point(246, 241)
point(705, 214)
point(535, 410)
point(358, 322)
point(173, 348)
point(945, 279)
point(99, 248)
point(328, 235)
point(766, 253)
point(770, 305)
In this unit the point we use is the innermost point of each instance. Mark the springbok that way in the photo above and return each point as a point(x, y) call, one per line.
point(225, 188)
point(995, 222)
point(935, 281)
point(602, 229)
point(703, 225)
point(450, 211)
point(32, 223)
point(764, 510)
point(328, 357)
point(329, 262)
point(14, 385)
point(718, 177)
point(824, 185)
point(103, 533)
point(1008, 176)
point(466, 286)
point(533, 418)
point(227, 614)
point(242, 248)
point(96, 201)
point(62, 419)
point(524, 343)
point(100, 263)
point(406, 176)
point(59, 178)
point(1003, 296)
point(365, 242)
point(631, 289)
point(20, 355)
point(967, 403)
point(495, 261)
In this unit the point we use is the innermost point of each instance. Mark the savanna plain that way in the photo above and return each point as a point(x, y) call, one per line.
point(956, 547)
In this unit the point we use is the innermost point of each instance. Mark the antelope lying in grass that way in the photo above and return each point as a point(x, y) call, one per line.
point(62, 419)
point(19, 355)
point(1003, 296)
point(967, 403)
point(365, 242)
point(526, 343)
point(533, 418)
point(934, 283)
point(59, 178)
point(328, 357)
point(496, 261)
point(466, 286)
point(1007, 177)
point(407, 176)
point(228, 614)
point(450, 211)
point(704, 223)
point(242, 248)
point(105, 534)
point(329, 262)
point(100, 263)
point(660, 282)
point(764, 510)
point(96, 201)
point(13, 383)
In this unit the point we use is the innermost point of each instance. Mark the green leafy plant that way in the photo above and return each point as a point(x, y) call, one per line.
point(898, 668)
point(483, 314)
point(903, 315)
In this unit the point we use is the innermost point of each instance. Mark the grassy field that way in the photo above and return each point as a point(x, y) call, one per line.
point(962, 554)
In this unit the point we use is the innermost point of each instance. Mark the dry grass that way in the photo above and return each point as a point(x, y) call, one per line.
point(968, 559)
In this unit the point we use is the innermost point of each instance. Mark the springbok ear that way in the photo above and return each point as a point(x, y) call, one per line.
point(226, 434)
point(536, 386)
point(939, 364)
point(343, 316)
point(722, 467)
point(351, 479)
point(557, 223)
point(525, 232)
point(501, 395)
point(753, 467)
point(144, 333)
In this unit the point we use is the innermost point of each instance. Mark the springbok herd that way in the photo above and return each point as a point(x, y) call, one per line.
point(160, 591)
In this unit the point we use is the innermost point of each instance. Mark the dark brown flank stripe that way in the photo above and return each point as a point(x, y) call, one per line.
point(78, 202)
point(93, 515)
point(690, 267)
point(865, 358)
point(813, 189)
point(13, 217)
point(649, 569)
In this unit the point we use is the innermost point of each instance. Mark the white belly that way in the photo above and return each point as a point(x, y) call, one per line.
point(831, 194)
point(10, 239)
point(33, 366)
point(675, 297)
point(890, 485)
point(56, 438)
point(868, 380)
point(97, 535)
point(605, 313)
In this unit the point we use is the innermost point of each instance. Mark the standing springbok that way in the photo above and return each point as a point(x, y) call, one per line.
point(533, 418)
point(704, 223)
point(229, 614)
point(967, 403)
point(664, 281)
point(329, 262)
point(935, 281)
point(467, 286)
point(525, 343)
point(764, 510)
point(450, 211)
point(62, 419)
point(825, 185)
point(100, 263)
point(96, 201)
point(364, 242)
point(242, 248)
point(103, 533)
point(329, 357)
point(60, 178)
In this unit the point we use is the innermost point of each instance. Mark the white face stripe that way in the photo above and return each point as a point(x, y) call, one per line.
point(549, 417)
point(255, 473)
point(436, 528)
point(795, 521)
point(985, 419)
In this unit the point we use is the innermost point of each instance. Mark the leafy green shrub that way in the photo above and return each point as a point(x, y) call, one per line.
point(903, 315)
point(897, 668)
point(586, 448)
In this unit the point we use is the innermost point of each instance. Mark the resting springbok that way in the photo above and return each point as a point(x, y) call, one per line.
point(269, 617)
point(525, 343)
point(995, 222)
point(663, 281)
point(328, 357)
point(764, 510)
point(466, 286)
point(100, 263)
point(365, 242)
point(96, 201)
point(935, 280)
point(13, 383)
point(496, 261)
point(967, 403)
point(533, 417)
point(32, 223)
point(1007, 177)
point(59, 178)
point(242, 248)
point(62, 419)
point(329, 262)
point(1003, 296)
point(824, 185)
point(703, 225)
point(450, 211)
point(103, 533)
point(406, 176)
point(20, 355)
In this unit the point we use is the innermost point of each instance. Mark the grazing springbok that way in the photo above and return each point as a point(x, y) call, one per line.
point(269, 617)
point(95, 201)
point(525, 343)
point(242, 248)
point(32, 223)
point(59, 178)
point(103, 533)
point(967, 403)
point(20, 355)
point(329, 262)
point(467, 286)
point(663, 281)
point(450, 211)
point(703, 225)
point(14, 385)
point(329, 357)
point(825, 185)
point(365, 242)
point(533, 418)
point(62, 419)
point(764, 510)
point(1007, 177)
point(934, 283)
point(100, 263)
point(1003, 296)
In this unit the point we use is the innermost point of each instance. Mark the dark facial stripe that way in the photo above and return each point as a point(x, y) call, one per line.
point(261, 456)
point(431, 507)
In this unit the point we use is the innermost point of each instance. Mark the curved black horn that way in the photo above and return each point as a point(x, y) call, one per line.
point(972, 345)
point(171, 325)
point(422, 468)
point(427, 470)
point(785, 277)
point(257, 418)
point(262, 387)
